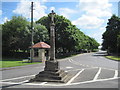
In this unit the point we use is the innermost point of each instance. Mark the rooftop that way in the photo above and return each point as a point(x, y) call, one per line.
point(41, 45)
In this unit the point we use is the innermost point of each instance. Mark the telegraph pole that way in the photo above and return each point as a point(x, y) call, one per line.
point(32, 43)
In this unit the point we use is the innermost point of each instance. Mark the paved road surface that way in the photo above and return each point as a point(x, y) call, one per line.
point(89, 70)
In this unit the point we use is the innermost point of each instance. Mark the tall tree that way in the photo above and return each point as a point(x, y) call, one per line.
point(110, 36)
point(68, 37)
point(16, 34)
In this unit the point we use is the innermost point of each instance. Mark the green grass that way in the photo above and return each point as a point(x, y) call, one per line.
point(113, 58)
point(14, 62)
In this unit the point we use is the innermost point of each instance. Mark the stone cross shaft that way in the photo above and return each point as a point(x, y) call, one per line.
point(52, 37)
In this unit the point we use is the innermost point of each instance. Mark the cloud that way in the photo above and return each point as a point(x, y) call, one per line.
point(88, 22)
point(66, 12)
point(4, 20)
point(93, 13)
point(97, 34)
point(99, 13)
point(52, 8)
point(24, 9)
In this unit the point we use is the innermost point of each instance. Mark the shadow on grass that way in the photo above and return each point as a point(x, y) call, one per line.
point(11, 59)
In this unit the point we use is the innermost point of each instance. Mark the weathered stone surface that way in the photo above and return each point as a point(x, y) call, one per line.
point(52, 76)
point(52, 72)
point(51, 66)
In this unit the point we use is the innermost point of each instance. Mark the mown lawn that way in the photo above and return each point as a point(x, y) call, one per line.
point(113, 58)
point(12, 63)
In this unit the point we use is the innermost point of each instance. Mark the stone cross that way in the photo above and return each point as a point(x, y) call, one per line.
point(52, 37)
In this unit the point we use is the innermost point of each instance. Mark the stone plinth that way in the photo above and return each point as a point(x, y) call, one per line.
point(51, 66)
point(52, 73)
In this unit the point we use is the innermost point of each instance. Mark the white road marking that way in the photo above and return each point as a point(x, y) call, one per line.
point(85, 82)
point(94, 81)
point(74, 77)
point(116, 74)
point(17, 78)
point(69, 67)
point(24, 81)
point(9, 83)
point(43, 83)
point(96, 76)
point(70, 60)
point(108, 68)
point(76, 63)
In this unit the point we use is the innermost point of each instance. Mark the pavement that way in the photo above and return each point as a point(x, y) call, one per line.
point(88, 70)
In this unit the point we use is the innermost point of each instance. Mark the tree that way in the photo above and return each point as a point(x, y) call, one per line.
point(40, 33)
point(110, 36)
point(16, 34)
point(68, 37)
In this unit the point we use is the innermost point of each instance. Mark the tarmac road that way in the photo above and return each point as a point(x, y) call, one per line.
point(89, 70)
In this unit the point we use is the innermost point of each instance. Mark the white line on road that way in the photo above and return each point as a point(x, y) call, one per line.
point(69, 67)
point(43, 83)
point(76, 63)
point(70, 60)
point(16, 78)
point(93, 81)
point(96, 76)
point(108, 68)
point(24, 81)
point(74, 77)
point(116, 74)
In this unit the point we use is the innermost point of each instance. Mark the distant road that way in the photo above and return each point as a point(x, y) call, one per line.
point(89, 70)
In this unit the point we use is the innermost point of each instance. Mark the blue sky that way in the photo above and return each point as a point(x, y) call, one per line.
point(90, 16)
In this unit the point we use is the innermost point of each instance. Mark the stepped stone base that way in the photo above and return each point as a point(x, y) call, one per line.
point(52, 73)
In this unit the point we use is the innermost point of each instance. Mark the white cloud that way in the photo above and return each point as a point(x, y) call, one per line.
point(88, 22)
point(94, 4)
point(52, 8)
point(3, 20)
point(99, 13)
point(66, 12)
point(93, 13)
point(97, 34)
point(24, 9)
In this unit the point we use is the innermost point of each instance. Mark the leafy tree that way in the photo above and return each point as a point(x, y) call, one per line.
point(68, 37)
point(40, 33)
point(110, 36)
point(16, 34)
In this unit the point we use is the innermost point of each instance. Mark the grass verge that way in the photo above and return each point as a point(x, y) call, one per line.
point(13, 63)
point(113, 58)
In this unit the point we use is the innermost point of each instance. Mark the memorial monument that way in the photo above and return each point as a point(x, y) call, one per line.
point(52, 72)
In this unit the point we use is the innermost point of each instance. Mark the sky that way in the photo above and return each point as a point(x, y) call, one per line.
point(90, 16)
